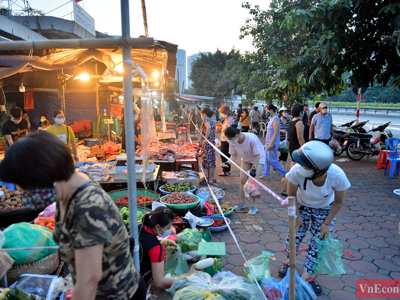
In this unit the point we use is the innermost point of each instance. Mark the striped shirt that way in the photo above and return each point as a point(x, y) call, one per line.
point(282, 136)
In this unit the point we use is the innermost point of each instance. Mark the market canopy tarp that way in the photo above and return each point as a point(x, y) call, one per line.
point(160, 56)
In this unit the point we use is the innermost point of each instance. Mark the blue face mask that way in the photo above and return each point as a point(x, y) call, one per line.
point(302, 114)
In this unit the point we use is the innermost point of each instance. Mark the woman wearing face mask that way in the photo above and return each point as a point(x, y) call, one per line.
point(225, 113)
point(271, 147)
point(155, 224)
point(40, 125)
point(63, 132)
point(249, 148)
point(14, 128)
point(319, 187)
point(283, 131)
point(208, 153)
point(296, 130)
point(89, 229)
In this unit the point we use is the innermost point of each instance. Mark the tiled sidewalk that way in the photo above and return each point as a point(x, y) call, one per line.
point(367, 227)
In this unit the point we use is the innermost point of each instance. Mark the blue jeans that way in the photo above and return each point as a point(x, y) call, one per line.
point(271, 159)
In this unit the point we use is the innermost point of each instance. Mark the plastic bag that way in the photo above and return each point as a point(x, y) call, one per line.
point(23, 235)
point(208, 208)
point(239, 125)
point(329, 257)
point(175, 264)
point(251, 189)
point(2, 239)
point(217, 143)
point(39, 285)
point(226, 287)
point(189, 239)
point(272, 289)
point(259, 266)
point(334, 144)
point(284, 146)
point(303, 289)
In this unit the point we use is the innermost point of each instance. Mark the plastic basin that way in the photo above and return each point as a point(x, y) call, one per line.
point(161, 188)
point(217, 229)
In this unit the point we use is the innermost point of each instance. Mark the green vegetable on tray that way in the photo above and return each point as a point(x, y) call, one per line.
point(125, 215)
point(16, 294)
point(189, 239)
point(178, 187)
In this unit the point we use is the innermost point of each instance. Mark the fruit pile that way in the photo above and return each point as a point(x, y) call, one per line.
point(140, 200)
point(125, 215)
point(218, 223)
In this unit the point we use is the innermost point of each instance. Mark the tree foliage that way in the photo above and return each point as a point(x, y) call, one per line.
point(310, 44)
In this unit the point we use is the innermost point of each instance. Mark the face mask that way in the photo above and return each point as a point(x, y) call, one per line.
point(42, 120)
point(136, 117)
point(323, 111)
point(306, 173)
point(165, 234)
point(38, 198)
point(284, 115)
point(16, 121)
point(223, 115)
point(234, 141)
point(59, 121)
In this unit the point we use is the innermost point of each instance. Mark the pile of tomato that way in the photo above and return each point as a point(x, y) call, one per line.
point(218, 223)
point(140, 200)
point(178, 220)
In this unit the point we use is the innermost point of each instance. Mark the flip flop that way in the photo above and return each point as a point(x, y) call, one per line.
point(315, 286)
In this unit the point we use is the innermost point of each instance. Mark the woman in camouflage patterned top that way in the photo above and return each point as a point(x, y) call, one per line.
point(89, 230)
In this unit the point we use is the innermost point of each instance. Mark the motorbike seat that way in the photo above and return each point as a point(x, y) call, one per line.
point(360, 135)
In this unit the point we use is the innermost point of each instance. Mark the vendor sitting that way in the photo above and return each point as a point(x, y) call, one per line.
point(156, 224)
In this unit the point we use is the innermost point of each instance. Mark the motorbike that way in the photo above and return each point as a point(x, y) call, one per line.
point(359, 144)
point(340, 133)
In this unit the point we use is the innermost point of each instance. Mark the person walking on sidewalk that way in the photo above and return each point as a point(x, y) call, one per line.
point(271, 147)
point(245, 120)
point(283, 132)
point(208, 153)
point(225, 113)
point(319, 187)
point(296, 130)
point(321, 125)
point(249, 148)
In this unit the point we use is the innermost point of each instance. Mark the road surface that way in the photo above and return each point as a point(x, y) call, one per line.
point(373, 122)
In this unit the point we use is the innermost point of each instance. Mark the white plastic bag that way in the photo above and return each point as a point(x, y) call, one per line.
point(2, 239)
point(251, 189)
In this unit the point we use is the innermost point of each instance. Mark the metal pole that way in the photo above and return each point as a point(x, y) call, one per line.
point(96, 88)
point(63, 91)
point(129, 130)
point(292, 248)
point(358, 105)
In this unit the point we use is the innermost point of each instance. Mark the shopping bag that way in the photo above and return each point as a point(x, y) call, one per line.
point(251, 189)
point(259, 265)
point(303, 289)
point(175, 264)
point(284, 146)
point(272, 289)
point(208, 209)
point(239, 125)
point(334, 144)
point(329, 257)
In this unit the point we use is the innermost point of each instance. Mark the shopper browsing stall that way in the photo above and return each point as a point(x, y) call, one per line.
point(249, 148)
point(319, 187)
point(63, 132)
point(89, 229)
point(225, 113)
point(14, 128)
point(207, 130)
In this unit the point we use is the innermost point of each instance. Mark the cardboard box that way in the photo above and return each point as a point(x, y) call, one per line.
point(194, 181)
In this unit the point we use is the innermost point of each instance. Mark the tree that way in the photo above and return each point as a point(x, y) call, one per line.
point(311, 44)
point(29, 11)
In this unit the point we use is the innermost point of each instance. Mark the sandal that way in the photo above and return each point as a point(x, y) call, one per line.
point(283, 269)
point(284, 194)
point(223, 174)
point(315, 286)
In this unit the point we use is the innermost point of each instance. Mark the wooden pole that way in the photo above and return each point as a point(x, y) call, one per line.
point(146, 30)
point(292, 247)
point(96, 88)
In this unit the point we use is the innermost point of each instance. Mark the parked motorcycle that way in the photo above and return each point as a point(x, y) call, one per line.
point(340, 133)
point(359, 144)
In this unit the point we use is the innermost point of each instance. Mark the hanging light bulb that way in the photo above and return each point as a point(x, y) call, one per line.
point(156, 74)
point(156, 83)
point(119, 68)
point(84, 77)
point(22, 88)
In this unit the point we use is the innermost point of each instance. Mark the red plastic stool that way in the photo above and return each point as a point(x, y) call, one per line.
point(194, 163)
point(382, 160)
point(182, 129)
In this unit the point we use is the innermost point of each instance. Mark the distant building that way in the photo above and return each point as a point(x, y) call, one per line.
point(190, 60)
point(181, 67)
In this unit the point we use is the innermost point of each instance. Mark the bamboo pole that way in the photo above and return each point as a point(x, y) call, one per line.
point(292, 247)
point(109, 43)
point(146, 30)
point(96, 88)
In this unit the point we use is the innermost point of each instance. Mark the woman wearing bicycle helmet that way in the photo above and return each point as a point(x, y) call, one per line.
point(319, 187)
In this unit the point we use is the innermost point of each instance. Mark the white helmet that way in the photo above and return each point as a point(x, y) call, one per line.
point(315, 155)
point(283, 108)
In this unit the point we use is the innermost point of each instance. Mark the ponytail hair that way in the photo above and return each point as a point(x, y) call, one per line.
point(232, 131)
point(160, 216)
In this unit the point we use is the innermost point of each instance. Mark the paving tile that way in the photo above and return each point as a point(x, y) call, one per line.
point(376, 275)
point(255, 248)
point(366, 234)
point(394, 275)
point(372, 254)
point(339, 295)
point(349, 280)
point(389, 225)
point(377, 243)
point(393, 241)
point(386, 265)
point(250, 238)
point(275, 247)
point(268, 237)
point(363, 266)
point(329, 282)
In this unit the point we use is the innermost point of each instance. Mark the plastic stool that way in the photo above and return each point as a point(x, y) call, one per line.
point(182, 129)
point(381, 159)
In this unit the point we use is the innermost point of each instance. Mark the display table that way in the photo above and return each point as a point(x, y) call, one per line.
point(113, 185)
point(169, 135)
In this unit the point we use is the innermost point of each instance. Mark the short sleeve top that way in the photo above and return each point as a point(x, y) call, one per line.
point(64, 133)
point(91, 219)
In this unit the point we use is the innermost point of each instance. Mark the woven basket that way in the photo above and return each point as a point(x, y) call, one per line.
point(44, 266)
